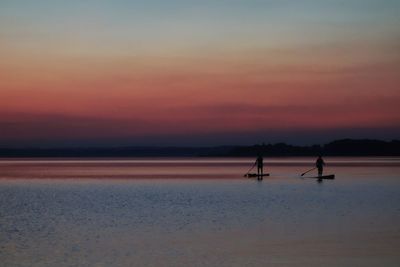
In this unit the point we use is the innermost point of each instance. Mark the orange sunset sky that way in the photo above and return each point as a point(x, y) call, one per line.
point(198, 72)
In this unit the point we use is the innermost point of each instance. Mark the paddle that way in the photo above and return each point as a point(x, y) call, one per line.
point(249, 170)
point(308, 171)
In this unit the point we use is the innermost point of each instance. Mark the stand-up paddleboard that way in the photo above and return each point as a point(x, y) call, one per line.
point(326, 177)
point(254, 175)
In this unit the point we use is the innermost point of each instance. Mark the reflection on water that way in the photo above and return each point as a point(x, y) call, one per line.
point(191, 221)
point(176, 168)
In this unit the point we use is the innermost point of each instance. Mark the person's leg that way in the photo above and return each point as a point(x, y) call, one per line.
point(320, 170)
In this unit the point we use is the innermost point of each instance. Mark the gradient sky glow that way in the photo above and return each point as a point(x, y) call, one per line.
point(198, 72)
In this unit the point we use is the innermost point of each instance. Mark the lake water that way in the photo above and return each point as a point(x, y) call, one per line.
point(198, 212)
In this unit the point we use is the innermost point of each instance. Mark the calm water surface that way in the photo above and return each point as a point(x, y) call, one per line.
point(198, 212)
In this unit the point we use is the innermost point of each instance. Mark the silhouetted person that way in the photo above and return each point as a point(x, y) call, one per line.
point(320, 165)
point(260, 167)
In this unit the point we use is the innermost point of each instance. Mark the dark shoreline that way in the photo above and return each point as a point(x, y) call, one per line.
point(344, 147)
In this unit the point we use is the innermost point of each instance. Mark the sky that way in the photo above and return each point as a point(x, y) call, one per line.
point(198, 73)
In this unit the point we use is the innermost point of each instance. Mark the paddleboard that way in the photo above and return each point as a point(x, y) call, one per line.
point(327, 177)
point(252, 175)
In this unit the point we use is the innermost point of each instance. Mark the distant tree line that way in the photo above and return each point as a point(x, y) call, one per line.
point(344, 147)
